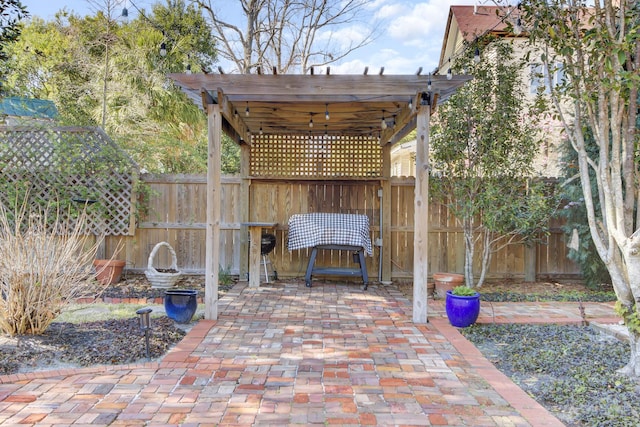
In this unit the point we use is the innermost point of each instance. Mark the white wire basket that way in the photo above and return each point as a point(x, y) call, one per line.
point(160, 279)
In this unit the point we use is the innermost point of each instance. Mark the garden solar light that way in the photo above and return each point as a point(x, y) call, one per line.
point(145, 324)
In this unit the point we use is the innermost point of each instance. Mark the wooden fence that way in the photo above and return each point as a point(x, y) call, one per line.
point(177, 214)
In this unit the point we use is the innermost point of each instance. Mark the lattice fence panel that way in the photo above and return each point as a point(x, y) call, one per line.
point(315, 156)
point(72, 167)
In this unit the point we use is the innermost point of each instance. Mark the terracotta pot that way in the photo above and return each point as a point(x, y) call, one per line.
point(108, 271)
point(446, 282)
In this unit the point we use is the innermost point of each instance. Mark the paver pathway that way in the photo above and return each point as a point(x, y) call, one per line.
point(287, 355)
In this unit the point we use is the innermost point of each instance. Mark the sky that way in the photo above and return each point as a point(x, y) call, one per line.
point(410, 38)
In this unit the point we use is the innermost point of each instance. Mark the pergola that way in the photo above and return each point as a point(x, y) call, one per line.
point(291, 112)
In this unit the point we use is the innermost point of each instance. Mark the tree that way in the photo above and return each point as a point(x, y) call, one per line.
point(483, 146)
point(599, 50)
point(11, 13)
point(287, 35)
point(65, 60)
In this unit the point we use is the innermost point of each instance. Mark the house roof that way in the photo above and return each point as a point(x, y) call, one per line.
point(27, 107)
point(474, 21)
point(286, 104)
point(466, 23)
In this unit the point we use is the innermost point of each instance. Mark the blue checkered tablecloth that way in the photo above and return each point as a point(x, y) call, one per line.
point(314, 229)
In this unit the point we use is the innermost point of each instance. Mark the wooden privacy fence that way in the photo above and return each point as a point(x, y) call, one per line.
point(177, 215)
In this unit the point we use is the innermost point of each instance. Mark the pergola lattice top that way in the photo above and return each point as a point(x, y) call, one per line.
point(326, 123)
point(71, 167)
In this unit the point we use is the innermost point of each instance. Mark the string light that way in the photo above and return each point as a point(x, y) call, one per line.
point(260, 129)
point(163, 49)
point(410, 103)
point(310, 120)
point(476, 55)
point(326, 112)
point(517, 29)
point(246, 110)
point(449, 74)
point(429, 82)
point(383, 122)
point(188, 68)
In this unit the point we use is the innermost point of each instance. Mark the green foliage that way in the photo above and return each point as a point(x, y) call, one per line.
point(11, 13)
point(95, 64)
point(568, 369)
point(224, 276)
point(630, 316)
point(483, 146)
point(591, 296)
point(463, 291)
point(598, 106)
point(594, 271)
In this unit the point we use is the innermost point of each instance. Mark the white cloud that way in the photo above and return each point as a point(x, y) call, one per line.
point(389, 11)
point(412, 34)
point(345, 37)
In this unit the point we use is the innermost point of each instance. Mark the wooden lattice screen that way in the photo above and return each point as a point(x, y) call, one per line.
point(72, 167)
point(315, 156)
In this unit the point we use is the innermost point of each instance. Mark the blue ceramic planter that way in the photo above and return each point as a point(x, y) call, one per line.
point(462, 311)
point(181, 304)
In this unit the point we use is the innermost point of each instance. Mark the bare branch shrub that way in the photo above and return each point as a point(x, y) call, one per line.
point(44, 265)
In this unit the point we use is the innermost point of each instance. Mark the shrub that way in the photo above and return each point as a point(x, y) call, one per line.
point(45, 264)
point(463, 291)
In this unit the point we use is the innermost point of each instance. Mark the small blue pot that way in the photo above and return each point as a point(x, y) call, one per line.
point(181, 304)
point(462, 311)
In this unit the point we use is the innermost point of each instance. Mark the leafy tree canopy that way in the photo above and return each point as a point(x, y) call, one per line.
point(484, 142)
point(100, 69)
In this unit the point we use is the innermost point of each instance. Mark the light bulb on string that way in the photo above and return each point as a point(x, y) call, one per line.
point(517, 29)
point(326, 112)
point(476, 55)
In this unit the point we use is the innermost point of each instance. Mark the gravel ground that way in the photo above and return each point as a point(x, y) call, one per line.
point(108, 342)
point(570, 370)
point(64, 345)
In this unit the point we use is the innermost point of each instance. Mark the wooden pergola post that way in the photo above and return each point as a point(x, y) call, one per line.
point(245, 187)
point(214, 188)
point(421, 215)
point(386, 214)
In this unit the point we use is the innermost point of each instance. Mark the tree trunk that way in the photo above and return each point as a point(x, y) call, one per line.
point(469, 247)
point(632, 368)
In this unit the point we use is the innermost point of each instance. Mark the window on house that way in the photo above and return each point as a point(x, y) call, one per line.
point(539, 77)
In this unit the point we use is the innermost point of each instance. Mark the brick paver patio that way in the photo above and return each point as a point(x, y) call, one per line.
point(287, 355)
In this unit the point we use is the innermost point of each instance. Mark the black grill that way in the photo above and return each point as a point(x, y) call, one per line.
point(268, 242)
